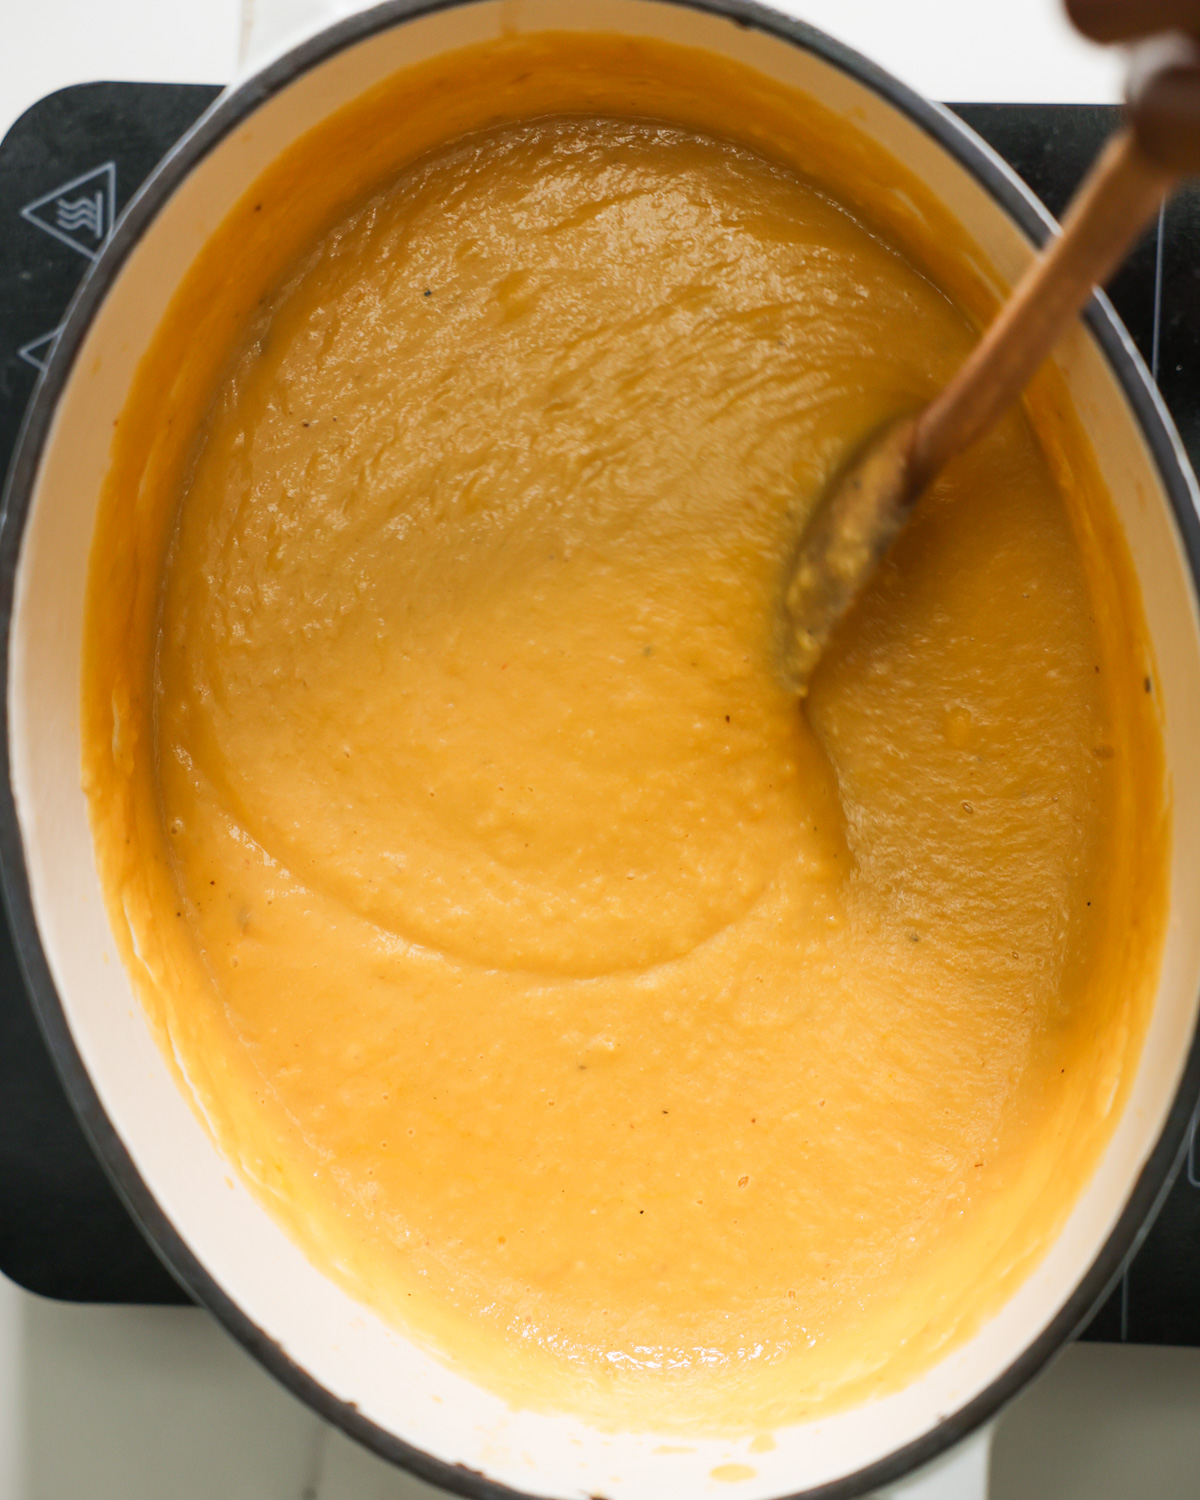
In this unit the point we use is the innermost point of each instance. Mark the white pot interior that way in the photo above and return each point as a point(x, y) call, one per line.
point(349, 1351)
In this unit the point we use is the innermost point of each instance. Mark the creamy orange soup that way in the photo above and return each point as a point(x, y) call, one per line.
point(647, 1045)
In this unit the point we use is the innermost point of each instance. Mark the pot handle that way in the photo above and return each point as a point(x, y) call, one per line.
point(269, 27)
point(961, 1474)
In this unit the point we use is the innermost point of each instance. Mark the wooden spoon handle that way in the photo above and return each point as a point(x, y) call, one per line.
point(1120, 195)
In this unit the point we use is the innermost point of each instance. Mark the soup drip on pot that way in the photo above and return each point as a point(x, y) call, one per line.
point(648, 1048)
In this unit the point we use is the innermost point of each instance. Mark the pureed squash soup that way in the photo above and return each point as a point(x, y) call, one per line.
point(645, 1045)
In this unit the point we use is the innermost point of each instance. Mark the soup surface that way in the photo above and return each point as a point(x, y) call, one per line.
point(649, 1045)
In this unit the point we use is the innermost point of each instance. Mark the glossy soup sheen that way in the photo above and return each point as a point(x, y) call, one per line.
point(646, 1045)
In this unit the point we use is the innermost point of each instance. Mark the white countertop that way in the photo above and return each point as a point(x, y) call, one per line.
point(1016, 50)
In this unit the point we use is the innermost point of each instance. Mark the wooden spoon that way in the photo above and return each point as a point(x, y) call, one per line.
point(862, 512)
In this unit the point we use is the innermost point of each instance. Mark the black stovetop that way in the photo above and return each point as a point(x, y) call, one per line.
point(66, 168)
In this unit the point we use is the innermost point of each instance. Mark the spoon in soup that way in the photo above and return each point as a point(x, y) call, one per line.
point(863, 511)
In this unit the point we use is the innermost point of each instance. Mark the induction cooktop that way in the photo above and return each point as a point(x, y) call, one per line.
point(67, 167)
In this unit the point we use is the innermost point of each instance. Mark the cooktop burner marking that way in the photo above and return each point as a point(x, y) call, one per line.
point(80, 213)
point(37, 351)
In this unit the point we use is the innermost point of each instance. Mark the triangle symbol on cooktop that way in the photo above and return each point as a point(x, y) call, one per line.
point(37, 351)
point(81, 212)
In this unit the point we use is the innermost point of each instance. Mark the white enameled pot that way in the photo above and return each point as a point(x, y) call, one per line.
point(218, 1239)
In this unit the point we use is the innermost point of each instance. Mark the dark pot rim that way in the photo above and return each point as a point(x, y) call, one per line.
point(229, 111)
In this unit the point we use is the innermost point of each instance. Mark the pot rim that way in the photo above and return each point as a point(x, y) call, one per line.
point(231, 109)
